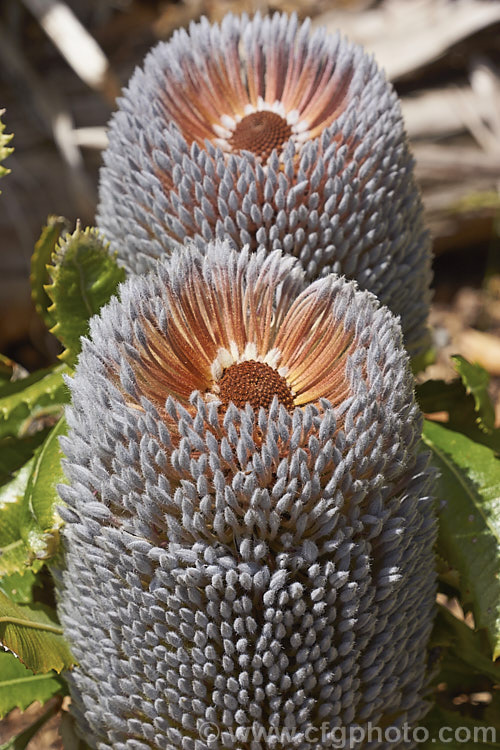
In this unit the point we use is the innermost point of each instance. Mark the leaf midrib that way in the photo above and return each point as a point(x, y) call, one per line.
point(450, 464)
point(28, 678)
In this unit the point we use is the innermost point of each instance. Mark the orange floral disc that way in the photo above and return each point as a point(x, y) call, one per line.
point(254, 382)
point(260, 133)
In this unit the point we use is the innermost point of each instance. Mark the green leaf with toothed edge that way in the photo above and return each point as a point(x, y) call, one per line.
point(466, 401)
point(476, 380)
point(468, 492)
point(14, 552)
point(40, 259)
point(40, 522)
point(84, 276)
point(29, 522)
point(465, 669)
point(5, 149)
point(33, 403)
point(20, 687)
point(466, 650)
point(32, 632)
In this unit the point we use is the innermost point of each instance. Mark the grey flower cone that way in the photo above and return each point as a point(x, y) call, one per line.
point(230, 570)
point(257, 132)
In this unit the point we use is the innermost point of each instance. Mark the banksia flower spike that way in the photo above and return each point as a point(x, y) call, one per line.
point(258, 132)
point(249, 531)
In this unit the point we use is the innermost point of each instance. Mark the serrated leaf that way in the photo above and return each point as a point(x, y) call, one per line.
point(476, 381)
point(31, 631)
point(5, 150)
point(84, 278)
point(465, 648)
point(441, 396)
point(465, 400)
point(465, 668)
point(448, 578)
point(40, 259)
point(33, 403)
point(14, 552)
point(29, 522)
point(469, 521)
point(19, 687)
point(40, 522)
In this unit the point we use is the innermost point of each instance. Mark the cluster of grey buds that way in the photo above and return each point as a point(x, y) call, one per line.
point(248, 548)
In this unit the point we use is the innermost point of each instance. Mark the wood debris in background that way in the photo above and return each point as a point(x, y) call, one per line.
point(420, 108)
point(173, 15)
point(415, 42)
point(55, 115)
point(76, 45)
point(481, 347)
point(467, 321)
point(407, 35)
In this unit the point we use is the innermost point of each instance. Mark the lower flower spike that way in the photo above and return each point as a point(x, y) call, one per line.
point(248, 548)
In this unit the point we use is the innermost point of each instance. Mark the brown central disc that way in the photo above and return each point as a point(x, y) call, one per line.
point(255, 383)
point(259, 133)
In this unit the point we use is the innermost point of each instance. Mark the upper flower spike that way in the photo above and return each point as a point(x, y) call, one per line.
point(262, 133)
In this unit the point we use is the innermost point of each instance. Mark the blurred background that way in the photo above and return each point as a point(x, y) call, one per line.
point(62, 64)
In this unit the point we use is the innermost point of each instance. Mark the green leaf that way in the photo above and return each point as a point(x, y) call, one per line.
point(10, 371)
point(449, 580)
point(33, 403)
point(14, 553)
point(29, 522)
point(41, 257)
point(465, 400)
point(5, 151)
point(476, 381)
point(15, 452)
point(40, 522)
point(469, 521)
point(32, 632)
point(84, 278)
point(465, 650)
point(19, 687)
point(440, 396)
point(19, 586)
point(466, 678)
